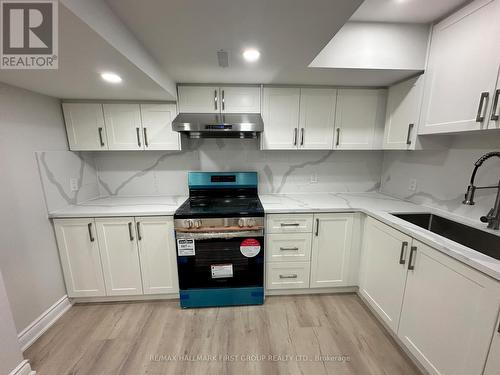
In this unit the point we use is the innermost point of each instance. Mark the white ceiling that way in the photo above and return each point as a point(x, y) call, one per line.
point(184, 36)
point(83, 54)
point(407, 11)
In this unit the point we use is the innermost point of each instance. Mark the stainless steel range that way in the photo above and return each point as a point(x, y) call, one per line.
point(220, 241)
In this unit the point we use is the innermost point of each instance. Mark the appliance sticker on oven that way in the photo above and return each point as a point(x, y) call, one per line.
point(250, 247)
point(185, 247)
point(221, 270)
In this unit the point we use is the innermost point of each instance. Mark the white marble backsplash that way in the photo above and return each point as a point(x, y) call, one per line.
point(57, 168)
point(443, 176)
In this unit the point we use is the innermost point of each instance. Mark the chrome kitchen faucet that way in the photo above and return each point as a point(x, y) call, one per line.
point(493, 217)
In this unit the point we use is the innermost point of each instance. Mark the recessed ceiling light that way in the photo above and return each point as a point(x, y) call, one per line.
point(111, 77)
point(251, 55)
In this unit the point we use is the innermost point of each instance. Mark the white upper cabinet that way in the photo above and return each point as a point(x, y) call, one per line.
point(402, 116)
point(123, 126)
point(85, 126)
point(199, 99)
point(331, 250)
point(462, 69)
point(157, 127)
point(157, 251)
point(359, 119)
point(80, 258)
point(449, 313)
point(383, 270)
point(120, 256)
point(242, 99)
point(280, 113)
point(317, 118)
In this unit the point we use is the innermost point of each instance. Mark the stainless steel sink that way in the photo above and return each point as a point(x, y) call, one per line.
point(484, 242)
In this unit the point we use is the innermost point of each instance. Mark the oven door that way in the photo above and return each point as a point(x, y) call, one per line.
point(232, 259)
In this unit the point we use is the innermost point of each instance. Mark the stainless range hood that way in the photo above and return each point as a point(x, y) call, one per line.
point(216, 125)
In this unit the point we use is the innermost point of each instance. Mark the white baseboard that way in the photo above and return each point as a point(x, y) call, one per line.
point(149, 297)
point(41, 324)
point(333, 290)
point(23, 368)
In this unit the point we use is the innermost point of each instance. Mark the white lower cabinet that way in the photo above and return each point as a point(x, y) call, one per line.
point(287, 275)
point(443, 311)
point(120, 256)
point(80, 259)
point(449, 313)
point(157, 251)
point(331, 250)
point(383, 270)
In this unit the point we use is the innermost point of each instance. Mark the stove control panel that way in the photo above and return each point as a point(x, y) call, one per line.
point(209, 223)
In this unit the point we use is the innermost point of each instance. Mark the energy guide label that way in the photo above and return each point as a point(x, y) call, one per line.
point(185, 247)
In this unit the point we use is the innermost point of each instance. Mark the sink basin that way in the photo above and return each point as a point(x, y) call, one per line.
point(481, 241)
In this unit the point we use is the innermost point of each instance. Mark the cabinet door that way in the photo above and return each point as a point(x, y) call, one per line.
point(359, 121)
point(199, 99)
point(463, 63)
point(85, 126)
point(493, 362)
point(157, 127)
point(402, 117)
point(123, 126)
point(383, 270)
point(280, 112)
point(317, 118)
point(331, 250)
point(120, 257)
point(157, 253)
point(240, 99)
point(80, 258)
point(449, 313)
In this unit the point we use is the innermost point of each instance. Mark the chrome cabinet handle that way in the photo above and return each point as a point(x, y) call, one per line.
point(408, 139)
point(223, 101)
point(498, 330)
point(91, 236)
point(289, 224)
point(302, 136)
point(402, 257)
point(338, 137)
point(480, 114)
point(292, 276)
point(411, 265)
point(494, 115)
point(295, 136)
point(215, 99)
point(317, 227)
point(146, 143)
point(139, 236)
point(137, 130)
point(100, 136)
point(131, 236)
point(289, 248)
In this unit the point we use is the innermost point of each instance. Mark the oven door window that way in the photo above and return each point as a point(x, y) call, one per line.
point(221, 263)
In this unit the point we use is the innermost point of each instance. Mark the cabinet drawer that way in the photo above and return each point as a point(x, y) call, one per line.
point(287, 275)
point(288, 247)
point(289, 223)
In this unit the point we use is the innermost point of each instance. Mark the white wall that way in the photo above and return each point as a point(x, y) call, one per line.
point(376, 45)
point(28, 254)
point(10, 352)
point(443, 176)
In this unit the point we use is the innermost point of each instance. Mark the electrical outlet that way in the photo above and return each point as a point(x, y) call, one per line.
point(314, 178)
point(413, 184)
point(73, 184)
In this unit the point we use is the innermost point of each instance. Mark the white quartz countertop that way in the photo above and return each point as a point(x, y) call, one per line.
point(376, 205)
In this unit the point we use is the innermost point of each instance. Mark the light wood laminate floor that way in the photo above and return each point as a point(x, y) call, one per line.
point(306, 335)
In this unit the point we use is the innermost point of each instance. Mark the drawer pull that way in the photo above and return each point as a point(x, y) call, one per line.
point(289, 248)
point(291, 276)
point(289, 224)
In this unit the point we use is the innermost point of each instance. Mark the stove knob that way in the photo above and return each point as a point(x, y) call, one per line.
point(188, 223)
point(250, 222)
point(197, 224)
point(241, 223)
